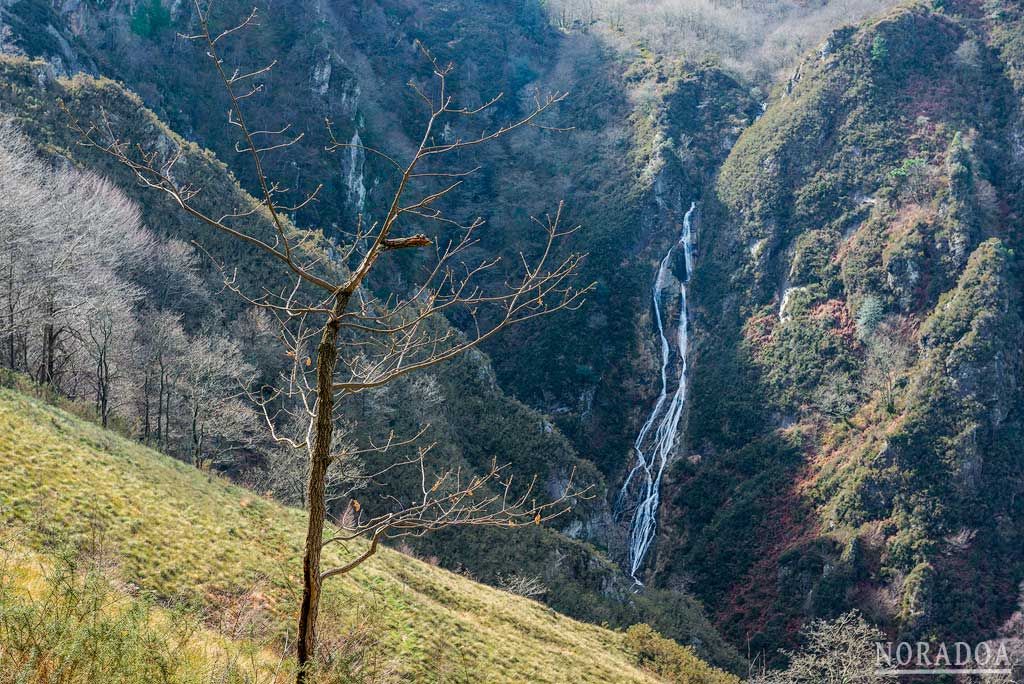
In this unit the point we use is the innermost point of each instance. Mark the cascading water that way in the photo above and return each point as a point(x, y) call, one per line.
point(656, 440)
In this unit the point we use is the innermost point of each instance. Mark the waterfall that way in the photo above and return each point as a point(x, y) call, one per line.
point(656, 440)
point(354, 179)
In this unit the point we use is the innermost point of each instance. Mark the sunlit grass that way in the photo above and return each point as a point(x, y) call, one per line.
point(187, 537)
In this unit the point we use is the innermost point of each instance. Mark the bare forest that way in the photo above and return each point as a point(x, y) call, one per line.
point(755, 38)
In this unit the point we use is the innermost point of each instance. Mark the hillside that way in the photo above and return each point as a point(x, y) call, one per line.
point(454, 400)
point(862, 273)
point(635, 117)
point(188, 536)
point(835, 329)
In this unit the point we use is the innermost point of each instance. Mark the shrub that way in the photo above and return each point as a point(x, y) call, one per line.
point(80, 629)
point(668, 659)
point(83, 627)
point(913, 176)
point(879, 50)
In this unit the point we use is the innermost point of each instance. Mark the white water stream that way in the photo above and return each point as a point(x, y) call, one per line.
point(656, 440)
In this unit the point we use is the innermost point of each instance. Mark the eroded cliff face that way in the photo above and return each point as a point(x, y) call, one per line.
point(855, 422)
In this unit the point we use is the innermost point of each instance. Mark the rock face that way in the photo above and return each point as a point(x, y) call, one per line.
point(355, 182)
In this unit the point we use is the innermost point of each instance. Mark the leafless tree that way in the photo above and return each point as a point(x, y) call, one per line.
point(67, 240)
point(840, 651)
point(523, 585)
point(284, 475)
point(161, 343)
point(210, 380)
point(20, 204)
point(106, 334)
point(85, 222)
point(78, 274)
point(343, 337)
point(171, 277)
point(255, 330)
point(889, 353)
point(836, 396)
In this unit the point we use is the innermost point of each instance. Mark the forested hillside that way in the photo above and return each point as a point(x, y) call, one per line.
point(632, 115)
point(865, 230)
point(174, 361)
point(613, 196)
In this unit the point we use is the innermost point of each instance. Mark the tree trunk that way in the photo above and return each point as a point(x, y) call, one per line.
point(45, 367)
point(10, 335)
point(47, 362)
point(163, 420)
point(319, 460)
point(103, 388)
point(145, 409)
point(195, 434)
point(10, 317)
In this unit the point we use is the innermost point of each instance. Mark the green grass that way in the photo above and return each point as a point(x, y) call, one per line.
point(186, 537)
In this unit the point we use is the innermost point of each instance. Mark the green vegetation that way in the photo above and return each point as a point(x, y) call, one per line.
point(150, 18)
point(855, 417)
point(869, 316)
point(581, 580)
point(668, 659)
point(189, 538)
point(629, 116)
point(869, 198)
point(879, 50)
point(68, 622)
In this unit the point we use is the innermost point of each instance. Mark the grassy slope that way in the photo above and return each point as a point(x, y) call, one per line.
point(183, 534)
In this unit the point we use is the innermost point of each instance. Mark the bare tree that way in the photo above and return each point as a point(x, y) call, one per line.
point(755, 37)
point(840, 651)
point(210, 381)
point(20, 204)
point(161, 344)
point(78, 271)
point(889, 353)
point(284, 474)
point(170, 275)
point(85, 224)
point(67, 240)
point(107, 333)
point(345, 335)
point(523, 585)
point(836, 396)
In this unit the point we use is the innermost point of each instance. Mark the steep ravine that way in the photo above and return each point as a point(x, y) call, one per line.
point(581, 579)
point(884, 174)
